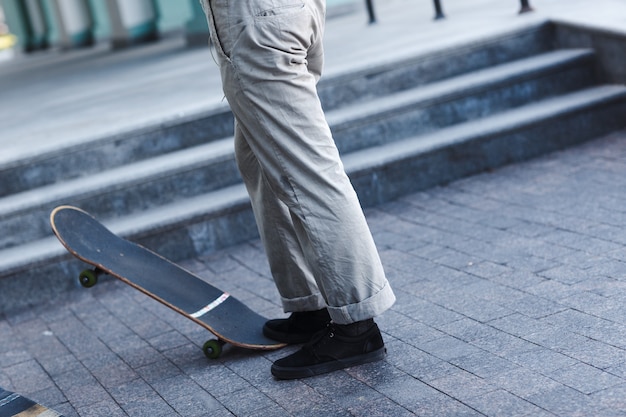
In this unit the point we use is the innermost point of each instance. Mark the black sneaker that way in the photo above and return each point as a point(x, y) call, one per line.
point(299, 327)
point(330, 350)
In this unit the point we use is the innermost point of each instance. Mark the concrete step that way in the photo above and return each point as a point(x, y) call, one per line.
point(462, 98)
point(98, 154)
point(384, 173)
point(196, 226)
point(148, 183)
point(392, 75)
point(340, 89)
point(121, 191)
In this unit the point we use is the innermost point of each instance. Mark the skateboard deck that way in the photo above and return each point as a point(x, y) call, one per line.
point(227, 318)
point(14, 405)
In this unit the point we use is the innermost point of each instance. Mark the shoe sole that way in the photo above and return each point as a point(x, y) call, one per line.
point(284, 372)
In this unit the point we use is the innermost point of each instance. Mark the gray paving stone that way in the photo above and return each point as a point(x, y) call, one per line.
point(138, 398)
point(81, 388)
point(218, 380)
point(14, 355)
point(406, 391)
point(504, 345)
point(585, 378)
point(169, 340)
point(28, 376)
point(542, 360)
point(393, 322)
point(52, 396)
point(105, 408)
point(59, 365)
point(67, 410)
point(429, 313)
point(245, 402)
point(273, 410)
point(613, 398)
point(591, 326)
point(381, 407)
point(135, 352)
point(463, 385)
point(556, 290)
point(562, 400)
point(484, 365)
point(188, 357)
point(469, 330)
point(344, 390)
point(412, 332)
point(448, 348)
point(158, 371)
point(109, 370)
point(526, 267)
point(416, 363)
point(186, 397)
point(491, 290)
point(520, 325)
point(442, 405)
point(524, 383)
point(500, 403)
point(566, 274)
point(536, 307)
point(465, 303)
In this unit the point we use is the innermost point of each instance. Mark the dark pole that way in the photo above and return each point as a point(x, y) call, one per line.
point(370, 11)
point(525, 7)
point(438, 11)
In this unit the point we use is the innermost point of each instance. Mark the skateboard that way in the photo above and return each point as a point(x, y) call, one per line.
point(227, 318)
point(14, 405)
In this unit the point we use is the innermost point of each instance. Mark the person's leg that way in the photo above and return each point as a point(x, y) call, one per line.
point(290, 270)
point(272, 91)
point(270, 53)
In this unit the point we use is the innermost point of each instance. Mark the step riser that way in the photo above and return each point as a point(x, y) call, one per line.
point(23, 225)
point(425, 117)
point(470, 157)
point(338, 91)
point(112, 152)
point(334, 92)
point(198, 236)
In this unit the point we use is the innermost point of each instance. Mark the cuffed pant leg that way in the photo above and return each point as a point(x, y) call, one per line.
point(290, 269)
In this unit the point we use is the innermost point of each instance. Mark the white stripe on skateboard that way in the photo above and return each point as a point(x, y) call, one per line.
point(10, 398)
point(219, 300)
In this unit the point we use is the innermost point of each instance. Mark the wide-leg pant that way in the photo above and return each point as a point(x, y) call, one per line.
point(319, 246)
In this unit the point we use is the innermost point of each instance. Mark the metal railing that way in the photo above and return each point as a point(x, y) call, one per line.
point(525, 8)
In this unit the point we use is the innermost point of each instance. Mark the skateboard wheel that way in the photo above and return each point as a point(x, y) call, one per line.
point(88, 278)
point(212, 349)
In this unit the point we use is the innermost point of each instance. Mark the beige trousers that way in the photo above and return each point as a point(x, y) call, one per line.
point(320, 249)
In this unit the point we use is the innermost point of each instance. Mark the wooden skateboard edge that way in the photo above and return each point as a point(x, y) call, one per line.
point(13, 404)
point(275, 346)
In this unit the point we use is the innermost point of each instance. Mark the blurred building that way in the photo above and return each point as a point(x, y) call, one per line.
point(67, 24)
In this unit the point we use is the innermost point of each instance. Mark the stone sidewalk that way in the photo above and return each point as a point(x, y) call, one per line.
point(511, 293)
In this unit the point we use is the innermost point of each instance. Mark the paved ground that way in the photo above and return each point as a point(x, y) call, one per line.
point(511, 285)
point(511, 293)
